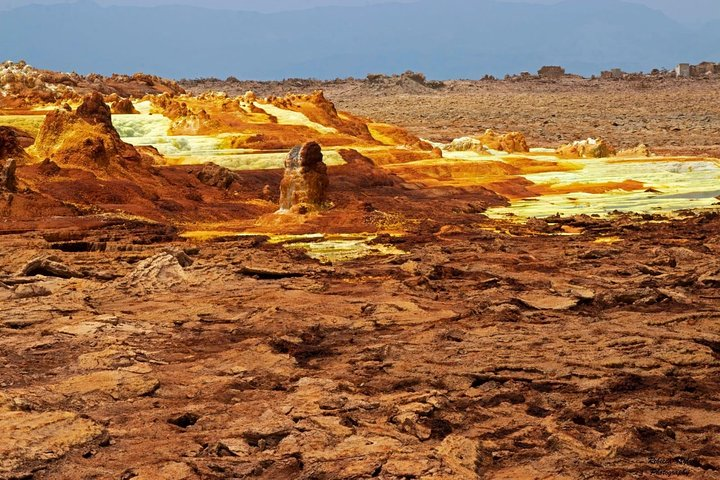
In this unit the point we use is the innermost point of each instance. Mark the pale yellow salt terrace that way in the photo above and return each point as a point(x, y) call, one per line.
point(671, 184)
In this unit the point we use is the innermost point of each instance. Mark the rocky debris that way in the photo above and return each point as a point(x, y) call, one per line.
point(511, 142)
point(10, 145)
point(268, 430)
point(124, 106)
point(631, 296)
point(305, 182)
point(408, 82)
point(49, 266)
point(590, 148)
point(8, 181)
point(85, 138)
point(214, 175)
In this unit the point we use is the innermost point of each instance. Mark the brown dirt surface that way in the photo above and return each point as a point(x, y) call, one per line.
point(490, 352)
point(672, 116)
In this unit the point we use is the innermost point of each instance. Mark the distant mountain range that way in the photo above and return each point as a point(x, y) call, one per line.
point(444, 39)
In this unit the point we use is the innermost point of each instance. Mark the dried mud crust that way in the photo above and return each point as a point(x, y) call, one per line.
point(671, 116)
point(491, 352)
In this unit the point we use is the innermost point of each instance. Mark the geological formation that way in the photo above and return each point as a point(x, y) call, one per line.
point(8, 183)
point(84, 138)
point(10, 144)
point(79, 164)
point(305, 182)
point(590, 148)
point(23, 86)
point(511, 142)
point(160, 320)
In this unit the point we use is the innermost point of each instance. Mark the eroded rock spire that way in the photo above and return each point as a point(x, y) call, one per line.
point(305, 183)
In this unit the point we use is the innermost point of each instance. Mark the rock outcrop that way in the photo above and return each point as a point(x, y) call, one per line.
point(48, 266)
point(319, 109)
point(8, 182)
point(466, 144)
point(214, 175)
point(124, 106)
point(590, 148)
point(305, 183)
point(642, 151)
point(160, 272)
point(510, 142)
point(10, 145)
point(85, 138)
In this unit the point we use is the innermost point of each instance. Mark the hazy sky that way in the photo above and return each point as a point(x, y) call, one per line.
point(688, 11)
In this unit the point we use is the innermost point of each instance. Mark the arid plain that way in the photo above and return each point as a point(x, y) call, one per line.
point(184, 294)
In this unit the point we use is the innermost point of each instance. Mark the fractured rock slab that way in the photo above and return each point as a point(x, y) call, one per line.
point(38, 437)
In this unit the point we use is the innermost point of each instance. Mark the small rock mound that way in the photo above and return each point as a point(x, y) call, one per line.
point(510, 142)
point(160, 272)
point(590, 148)
point(305, 182)
point(216, 176)
point(466, 144)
